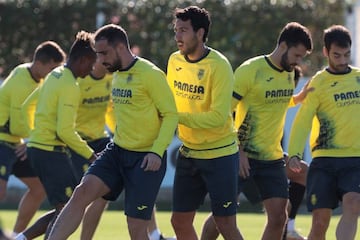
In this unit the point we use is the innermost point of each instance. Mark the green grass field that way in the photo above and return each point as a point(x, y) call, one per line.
point(113, 224)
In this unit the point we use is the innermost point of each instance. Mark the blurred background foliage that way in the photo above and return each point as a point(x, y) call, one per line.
point(240, 28)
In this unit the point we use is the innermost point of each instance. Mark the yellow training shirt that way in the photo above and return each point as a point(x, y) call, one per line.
point(95, 107)
point(202, 92)
point(266, 92)
point(144, 108)
point(333, 106)
point(13, 91)
point(55, 114)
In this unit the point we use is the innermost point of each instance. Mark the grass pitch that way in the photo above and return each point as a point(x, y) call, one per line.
point(113, 224)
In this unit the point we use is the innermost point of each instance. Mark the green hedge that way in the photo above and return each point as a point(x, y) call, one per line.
point(240, 28)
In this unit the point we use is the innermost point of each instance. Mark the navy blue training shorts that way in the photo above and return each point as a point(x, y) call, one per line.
point(329, 178)
point(55, 171)
point(10, 164)
point(194, 178)
point(82, 164)
point(120, 169)
point(270, 178)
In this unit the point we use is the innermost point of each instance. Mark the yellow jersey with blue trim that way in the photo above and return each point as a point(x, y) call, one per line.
point(265, 92)
point(13, 92)
point(202, 91)
point(330, 112)
point(55, 115)
point(144, 108)
point(95, 107)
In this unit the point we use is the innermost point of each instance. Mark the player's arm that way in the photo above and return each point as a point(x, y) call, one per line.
point(300, 130)
point(65, 129)
point(220, 105)
point(164, 101)
point(28, 109)
point(300, 97)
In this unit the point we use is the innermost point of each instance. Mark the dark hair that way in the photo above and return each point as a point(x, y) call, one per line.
point(337, 34)
point(114, 34)
point(82, 46)
point(199, 18)
point(297, 74)
point(48, 51)
point(294, 34)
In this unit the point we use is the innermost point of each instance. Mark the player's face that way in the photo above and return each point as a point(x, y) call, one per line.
point(292, 57)
point(107, 55)
point(339, 58)
point(186, 39)
point(87, 63)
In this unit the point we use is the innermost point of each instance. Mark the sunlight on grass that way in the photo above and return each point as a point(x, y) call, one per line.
point(113, 224)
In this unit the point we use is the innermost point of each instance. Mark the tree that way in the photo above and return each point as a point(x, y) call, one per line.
point(240, 28)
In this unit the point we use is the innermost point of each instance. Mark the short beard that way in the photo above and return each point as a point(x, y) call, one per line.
point(284, 63)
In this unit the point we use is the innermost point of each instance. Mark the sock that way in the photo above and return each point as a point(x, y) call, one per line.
point(155, 235)
point(291, 225)
point(296, 195)
point(20, 236)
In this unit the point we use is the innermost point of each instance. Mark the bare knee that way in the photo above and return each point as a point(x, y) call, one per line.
point(181, 220)
point(351, 203)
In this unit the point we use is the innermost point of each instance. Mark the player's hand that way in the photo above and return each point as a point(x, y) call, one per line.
point(20, 151)
point(295, 164)
point(151, 162)
point(299, 98)
point(244, 167)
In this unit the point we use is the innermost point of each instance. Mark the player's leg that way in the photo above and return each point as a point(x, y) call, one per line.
point(153, 229)
point(347, 226)
point(270, 177)
point(102, 176)
point(188, 194)
point(296, 196)
point(276, 217)
point(221, 176)
point(321, 195)
point(320, 223)
point(7, 160)
point(209, 229)
point(349, 182)
point(29, 203)
point(94, 211)
point(32, 198)
point(92, 218)
point(38, 228)
point(141, 189)
point(70, 217)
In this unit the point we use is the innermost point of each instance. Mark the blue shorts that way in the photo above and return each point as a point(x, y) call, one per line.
point(194, 178)
point(10, 164)
point(269, 177)
point(82, 164)
point(55, 171)
point(329, 178)
point(120, 169)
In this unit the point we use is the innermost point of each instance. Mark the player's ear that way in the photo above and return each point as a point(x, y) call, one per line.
point(325, 52)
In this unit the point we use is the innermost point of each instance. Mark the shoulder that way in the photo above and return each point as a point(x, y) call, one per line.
point(148, 68)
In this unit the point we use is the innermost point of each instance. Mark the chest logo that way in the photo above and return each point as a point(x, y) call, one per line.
point(201, 74)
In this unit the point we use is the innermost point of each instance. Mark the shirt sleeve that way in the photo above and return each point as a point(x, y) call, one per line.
point(223, 80)
point(160, 93)
point(302, 124)
point(65, 129)
point(28, 109)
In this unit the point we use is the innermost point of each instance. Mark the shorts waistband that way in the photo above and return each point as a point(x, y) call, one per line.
point(186, 149)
